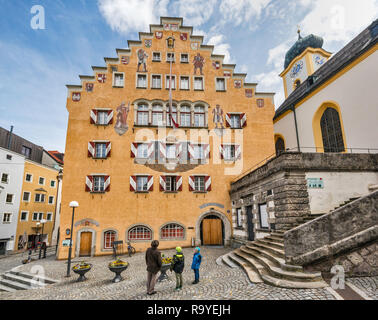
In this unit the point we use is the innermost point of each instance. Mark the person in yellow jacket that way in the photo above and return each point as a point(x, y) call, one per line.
point(177, 266)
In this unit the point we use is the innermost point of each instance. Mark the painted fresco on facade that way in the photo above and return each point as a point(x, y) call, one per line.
point(121, 126)
point(198, 62)
point(142, 60)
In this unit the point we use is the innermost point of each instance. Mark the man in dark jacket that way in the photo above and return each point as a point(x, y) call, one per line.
point(153, 261)
point(177, 266)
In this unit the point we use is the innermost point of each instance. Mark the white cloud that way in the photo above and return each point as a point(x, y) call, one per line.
point(242, 11)
point(221, 47)
point(338, 20)
point(132, 15)
point(194, 12)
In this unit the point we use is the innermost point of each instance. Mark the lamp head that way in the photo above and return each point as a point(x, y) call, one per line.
point(74, 204)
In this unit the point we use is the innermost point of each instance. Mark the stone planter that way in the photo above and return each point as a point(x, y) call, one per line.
point(118, 270)
point(163, 272)
point(81, 272)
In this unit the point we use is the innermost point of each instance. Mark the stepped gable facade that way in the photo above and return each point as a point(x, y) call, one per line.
point(145, 167)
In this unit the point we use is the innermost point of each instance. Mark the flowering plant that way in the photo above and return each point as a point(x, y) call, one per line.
point(118, 263)
point(82, 265)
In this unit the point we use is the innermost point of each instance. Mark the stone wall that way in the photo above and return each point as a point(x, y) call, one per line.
point(340, 232)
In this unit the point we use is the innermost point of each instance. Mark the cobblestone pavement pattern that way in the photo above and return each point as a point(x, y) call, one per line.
point(369, 285)
point(216, 282)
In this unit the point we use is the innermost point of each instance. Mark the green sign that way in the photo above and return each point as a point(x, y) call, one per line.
point(315, 183)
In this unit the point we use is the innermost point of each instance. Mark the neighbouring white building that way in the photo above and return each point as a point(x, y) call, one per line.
point(11, 175)
point(331, 103)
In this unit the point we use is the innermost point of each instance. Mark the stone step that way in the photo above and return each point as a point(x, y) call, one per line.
point(38, 277)
point(278, 272)
point(274, 251)
point(14, 284)
point(282, 283)
point(271, 243)
point(6, 289)
point(275, 239)
point(251, 272)
point(219, 261)
point(277, 260)
point(228, 262)
point(32, 283)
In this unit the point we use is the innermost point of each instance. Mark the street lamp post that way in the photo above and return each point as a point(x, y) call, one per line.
point(73, 205)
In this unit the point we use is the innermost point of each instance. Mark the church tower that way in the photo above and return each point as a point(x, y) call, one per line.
point(302, 60)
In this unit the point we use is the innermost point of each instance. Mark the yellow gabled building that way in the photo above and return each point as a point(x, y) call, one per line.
point(137, 177)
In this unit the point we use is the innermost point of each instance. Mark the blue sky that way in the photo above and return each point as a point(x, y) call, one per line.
point(254, 34)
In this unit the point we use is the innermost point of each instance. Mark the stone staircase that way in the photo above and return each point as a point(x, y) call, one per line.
point(15, 280)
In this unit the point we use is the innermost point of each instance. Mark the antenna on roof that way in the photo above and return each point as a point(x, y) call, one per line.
point(299, 32)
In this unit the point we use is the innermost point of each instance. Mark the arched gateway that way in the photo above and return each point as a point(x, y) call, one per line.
point(213, 228)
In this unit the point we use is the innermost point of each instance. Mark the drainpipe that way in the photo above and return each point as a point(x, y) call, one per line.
point(296, 127)
point(10, 137)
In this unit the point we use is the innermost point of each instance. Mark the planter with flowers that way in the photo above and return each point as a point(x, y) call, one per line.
point(166, 265)
point(81, 269)
point(118, 267)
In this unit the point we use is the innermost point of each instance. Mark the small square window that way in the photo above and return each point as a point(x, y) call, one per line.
point(9, 199)
point(100, 150)
point(156, 57)
point(24, 216)
point(7, 218)
point(26, 152)
point(41, 181)
point(5, 178)
point(170, 57)
point(35, 216)
point(142, 184)
point(142, 81)
point(51, 199)
point(184, 58)
point(49, 217)
point(9, 157)
point(118, 80)
point(26, 197)
point(29, 177)
point(52, 183)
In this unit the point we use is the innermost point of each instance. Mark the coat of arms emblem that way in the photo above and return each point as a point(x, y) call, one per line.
point(148, 43)
point(249, 93)
point(184, 36)
point(101, 78)
point(260, 103)
point(216, 65)
point(227, 74)
point(237, 84)
point(76, 96)
point(125, 59)
point(121, 126)
point(158, 35)
point(194, 45)
point(89, 87)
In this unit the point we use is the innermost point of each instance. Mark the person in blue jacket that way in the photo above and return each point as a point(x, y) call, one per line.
point(197, 258)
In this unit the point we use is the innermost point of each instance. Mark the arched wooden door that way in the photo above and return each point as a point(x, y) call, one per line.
point(212, 231)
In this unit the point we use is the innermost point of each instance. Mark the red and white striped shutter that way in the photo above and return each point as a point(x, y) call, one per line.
point(150, 183)
point(134, 150)
point(89, 184)
point(228, 120)
point(221, 150)
point(163, 185)
point(93, 116)
point(91, 149)
point(110, 117)
point(191, 183)
point(178, 150)
point(179, 183)
point(133, 186)
point(208, 183)
point(191, 151)
point(243, 120)
point(237, 152)
point(206, 150)
point(151, 150)
point(107, 183)
point(108, 149)
point(163, 150)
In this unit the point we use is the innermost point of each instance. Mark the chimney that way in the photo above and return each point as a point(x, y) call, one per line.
point(10, 137)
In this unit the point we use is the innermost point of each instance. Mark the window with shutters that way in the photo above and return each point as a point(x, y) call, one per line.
point(199, 184)
point(172, 231)
point(229, 152)
point(142, 115)
point(98, 184)
point(102, 117)
point(235, 121)
point(109, 238)
point(139, 233)
point(142, 151)
point(199, 152)
point(331, 131)
point(142, 183)
point(170, 184)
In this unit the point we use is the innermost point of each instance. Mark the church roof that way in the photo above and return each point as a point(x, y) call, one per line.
point(354, 49)
point(301, 45)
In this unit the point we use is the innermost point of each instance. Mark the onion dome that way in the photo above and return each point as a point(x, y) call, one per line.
point(301, 45)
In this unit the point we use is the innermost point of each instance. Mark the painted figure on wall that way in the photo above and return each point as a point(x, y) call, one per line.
point(198, 62)
point(218, 116)
point(142, 59)
point(121, 123)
